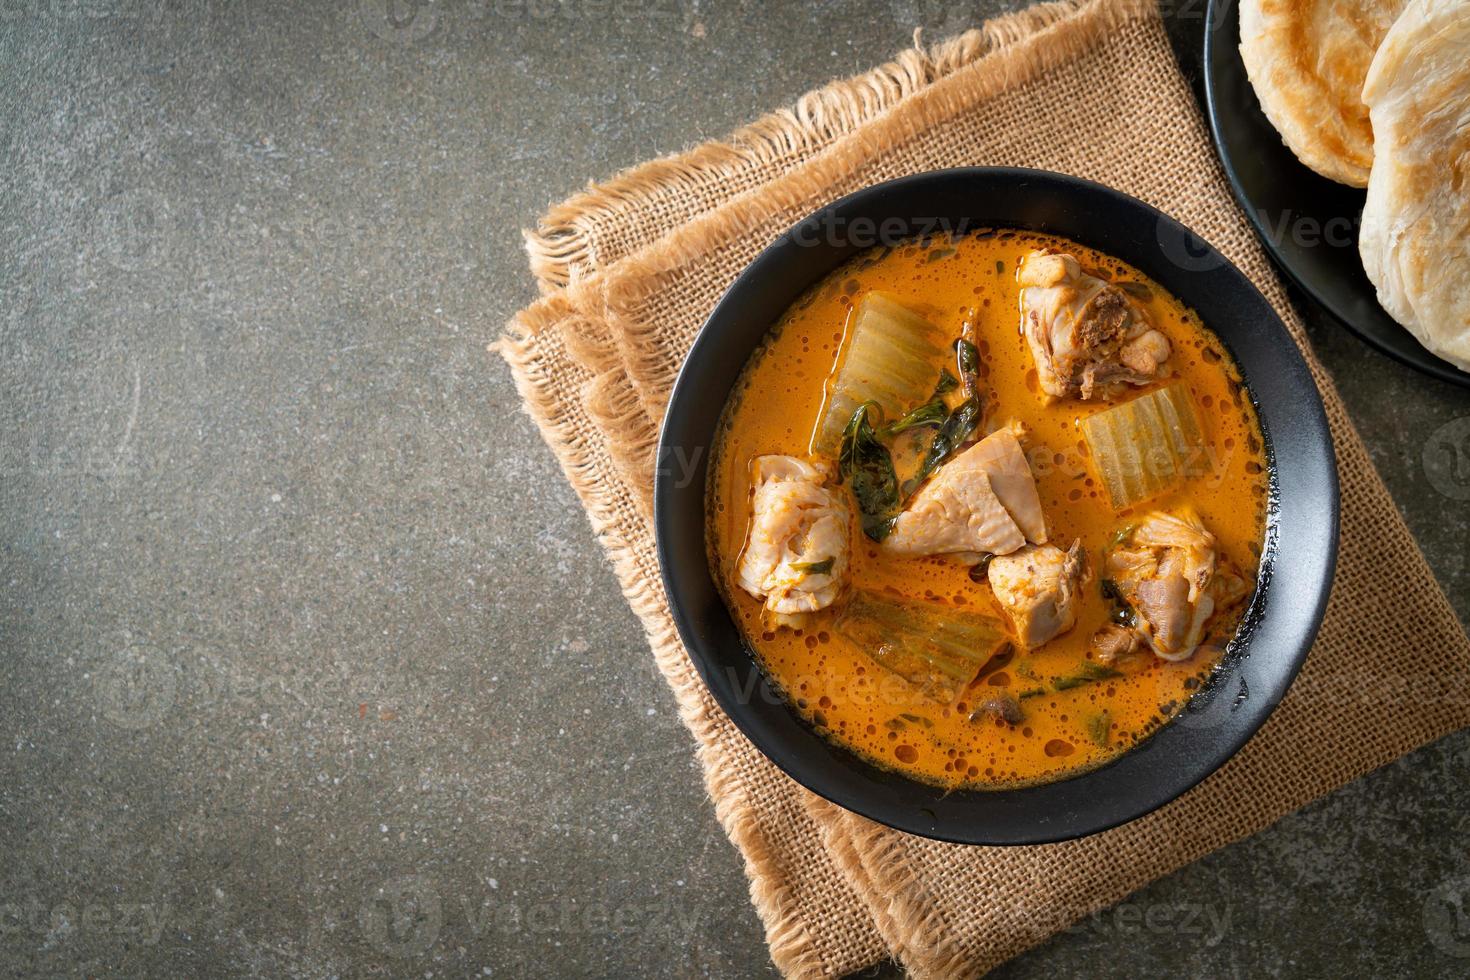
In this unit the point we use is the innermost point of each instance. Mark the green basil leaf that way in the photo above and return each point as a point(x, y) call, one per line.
point(868, 466)
point(967, 359)
point(1089, 674)
point(932, 412)
point(956, 430)
point(814, 567)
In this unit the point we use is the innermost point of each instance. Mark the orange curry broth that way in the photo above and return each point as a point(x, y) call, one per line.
point(834, 685)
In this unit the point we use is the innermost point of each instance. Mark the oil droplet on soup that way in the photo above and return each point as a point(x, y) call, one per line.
point(835, 684)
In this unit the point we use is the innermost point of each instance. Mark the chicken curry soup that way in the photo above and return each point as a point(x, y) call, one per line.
point(987, 507)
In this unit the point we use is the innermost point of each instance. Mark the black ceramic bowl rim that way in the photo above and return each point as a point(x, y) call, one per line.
point(1298, 558)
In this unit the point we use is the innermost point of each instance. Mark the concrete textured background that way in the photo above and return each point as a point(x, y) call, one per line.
point(309, 665)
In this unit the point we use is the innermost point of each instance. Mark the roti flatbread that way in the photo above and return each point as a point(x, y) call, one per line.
point(1415, 239)
point(1306, 60)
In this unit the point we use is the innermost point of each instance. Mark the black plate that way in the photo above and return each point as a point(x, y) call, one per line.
point(1309, 224)
point(1296, 567)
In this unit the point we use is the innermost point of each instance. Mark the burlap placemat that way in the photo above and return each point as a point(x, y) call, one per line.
point(631, 268)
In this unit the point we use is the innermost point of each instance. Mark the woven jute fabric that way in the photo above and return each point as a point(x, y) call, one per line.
point(631, 268)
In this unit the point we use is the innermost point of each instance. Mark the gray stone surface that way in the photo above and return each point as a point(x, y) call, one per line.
point(308, 663)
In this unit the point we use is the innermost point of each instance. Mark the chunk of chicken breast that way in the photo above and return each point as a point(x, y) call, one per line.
point(1084, 333)
point(1113, 641)
point(1000, 455)
point(795, 556)
point(1169, 571)
point(983, 500)
point(1038, 588)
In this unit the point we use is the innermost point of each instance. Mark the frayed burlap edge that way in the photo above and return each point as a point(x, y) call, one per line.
point(873, 855)
point(564, 248)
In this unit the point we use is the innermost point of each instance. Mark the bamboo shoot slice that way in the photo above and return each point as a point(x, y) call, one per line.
point(892, 358)
point(1144, 446)
point(936, 648)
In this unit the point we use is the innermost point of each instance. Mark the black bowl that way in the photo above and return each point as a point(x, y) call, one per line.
point(1308, 224)
point(1296, 566)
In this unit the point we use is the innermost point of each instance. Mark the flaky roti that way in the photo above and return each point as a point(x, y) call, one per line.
point(1306, 60)
point(1415, 239)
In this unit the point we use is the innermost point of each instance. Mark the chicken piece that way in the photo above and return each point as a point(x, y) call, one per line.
point(796, 553)
point(1010, 478)
point(1172, 623)
point(1189, 549)
point(1169, 571)
point(1038, 587)
point(1227, 587)
point(1084, 333)
point(1113, 641)
point(958, 514)
point(983, 500)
